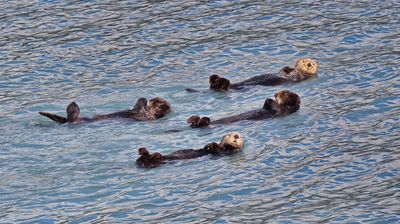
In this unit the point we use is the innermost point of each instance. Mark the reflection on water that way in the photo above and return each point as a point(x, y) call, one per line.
point(336, 160)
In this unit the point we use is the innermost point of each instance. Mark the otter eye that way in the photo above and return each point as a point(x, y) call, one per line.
point(309, 64)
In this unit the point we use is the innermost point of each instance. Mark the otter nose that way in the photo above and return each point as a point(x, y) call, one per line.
point(309, 65)
point(236, 136)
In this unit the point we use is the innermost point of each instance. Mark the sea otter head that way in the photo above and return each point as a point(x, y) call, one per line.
point(159, 107)
point(219, 83)
point(287, 98)
point(307, 66)
point(233, 141)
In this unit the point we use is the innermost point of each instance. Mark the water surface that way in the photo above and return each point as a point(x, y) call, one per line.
point(335, 160)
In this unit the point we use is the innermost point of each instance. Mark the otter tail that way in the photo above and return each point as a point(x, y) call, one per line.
point(72, 114)
point(54, 117)
point(190, 90)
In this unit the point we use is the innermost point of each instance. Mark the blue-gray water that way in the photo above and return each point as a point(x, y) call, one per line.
point(335, 160)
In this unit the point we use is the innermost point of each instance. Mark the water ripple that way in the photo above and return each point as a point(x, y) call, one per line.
point(336, 160)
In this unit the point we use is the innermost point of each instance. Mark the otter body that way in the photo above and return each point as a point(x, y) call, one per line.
point(142, 111)
point(230, 144)
point(286, 102)
point(259, 114)
point(305, 68)
point(265, 80)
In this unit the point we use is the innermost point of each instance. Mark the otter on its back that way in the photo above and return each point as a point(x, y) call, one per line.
point(142, 111)
point(286, 102)
point(230, 144)
point(305, 68)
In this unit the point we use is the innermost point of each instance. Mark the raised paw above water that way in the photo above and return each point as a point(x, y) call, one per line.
point(197, 122)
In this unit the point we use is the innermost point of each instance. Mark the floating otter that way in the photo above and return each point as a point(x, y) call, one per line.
point(154, 109)
point(305, 68)
point(286, 102)
point(230, 144)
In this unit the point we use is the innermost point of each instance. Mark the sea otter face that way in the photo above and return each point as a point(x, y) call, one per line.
point(233, 139)
point(307, 66)
point(159, 107)
point(288, 98)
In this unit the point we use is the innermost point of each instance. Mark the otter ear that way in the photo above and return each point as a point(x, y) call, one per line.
point(73, 112)
point(54, 117)
point(141, 102)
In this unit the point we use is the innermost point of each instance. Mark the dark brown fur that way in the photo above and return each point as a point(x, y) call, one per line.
point(287, 102)
point(148, 160)
point(142, 111)
point(285, 75)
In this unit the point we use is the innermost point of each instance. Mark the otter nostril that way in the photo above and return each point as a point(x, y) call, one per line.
point(309, 65)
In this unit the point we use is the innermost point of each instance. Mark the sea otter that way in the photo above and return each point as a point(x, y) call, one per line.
point(286, 102)
point(230, 144)
point(305, 68)
point(154, 109)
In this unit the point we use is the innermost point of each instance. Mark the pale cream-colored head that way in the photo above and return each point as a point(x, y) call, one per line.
point(307, 66)
point(233, 139)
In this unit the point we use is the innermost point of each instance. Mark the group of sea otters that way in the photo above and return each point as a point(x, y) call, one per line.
point(286, 102)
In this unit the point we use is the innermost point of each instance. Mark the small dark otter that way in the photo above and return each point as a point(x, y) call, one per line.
point(154, 109)
point(305, 68)
point(287, 102)
point(230, 144)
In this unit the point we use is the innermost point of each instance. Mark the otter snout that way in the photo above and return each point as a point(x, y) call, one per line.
point(307, 65)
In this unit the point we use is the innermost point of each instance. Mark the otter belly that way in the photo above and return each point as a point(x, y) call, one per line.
point(251, 115)
point(184, 154)
point(264, 80)
point(131, 114)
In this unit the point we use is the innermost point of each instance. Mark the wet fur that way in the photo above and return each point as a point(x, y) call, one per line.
point(305, 68)
point(154, 109)
point(230, 144)
point(286, 102)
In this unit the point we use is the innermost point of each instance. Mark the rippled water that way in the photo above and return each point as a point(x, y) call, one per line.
point(336, 160)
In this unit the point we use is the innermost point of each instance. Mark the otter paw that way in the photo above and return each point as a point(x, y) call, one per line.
point(270, 104)
point(287, 70)
point(197, 122)
point(219, 83)
point(143, 152)
point(212, 148)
